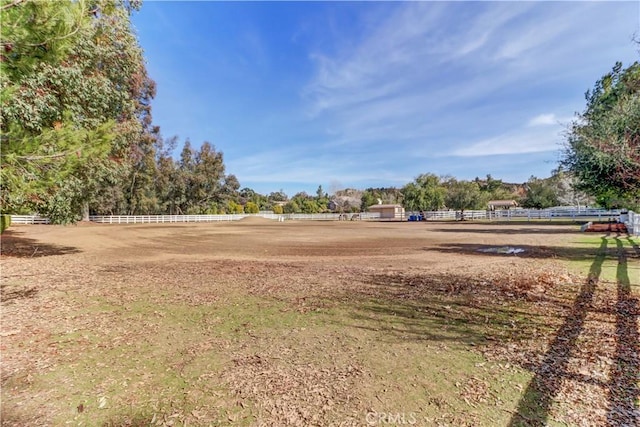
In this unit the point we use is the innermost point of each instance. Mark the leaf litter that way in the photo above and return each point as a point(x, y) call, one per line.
point(275, 389)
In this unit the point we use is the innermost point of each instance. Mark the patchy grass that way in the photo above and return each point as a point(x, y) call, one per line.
point(582, 251)
point(252, 359)
point(427, 336)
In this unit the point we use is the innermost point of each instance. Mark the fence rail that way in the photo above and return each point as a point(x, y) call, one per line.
point(159, 219)
point(631, 219)
point(155, 219)
point(28, 219)
point(633, 223)
point(529, 214)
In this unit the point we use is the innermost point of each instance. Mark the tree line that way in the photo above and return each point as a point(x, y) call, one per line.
point(429, 192)
point(77, 135)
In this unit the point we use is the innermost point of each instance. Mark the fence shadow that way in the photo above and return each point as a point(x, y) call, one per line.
point(624, 389)
point(11, 293)
point(13, 244)
point(535, 404)
point(511, 227)
point(450, 307)
point(528, 251)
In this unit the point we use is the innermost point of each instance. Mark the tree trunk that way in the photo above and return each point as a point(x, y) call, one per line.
point(85, 211)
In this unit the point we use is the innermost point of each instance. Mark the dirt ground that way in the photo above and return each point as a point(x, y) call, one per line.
point(275, 323)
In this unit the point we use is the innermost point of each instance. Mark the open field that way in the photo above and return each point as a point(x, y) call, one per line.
point(307, 323)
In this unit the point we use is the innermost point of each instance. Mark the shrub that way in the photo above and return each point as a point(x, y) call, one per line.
point(234, 208)
point(5, 222)
point(251, 208)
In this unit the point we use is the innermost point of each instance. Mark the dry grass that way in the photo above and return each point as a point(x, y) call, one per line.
point(260, 323)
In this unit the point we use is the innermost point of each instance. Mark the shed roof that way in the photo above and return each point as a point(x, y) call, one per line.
point(384, 206)
point(503, 203)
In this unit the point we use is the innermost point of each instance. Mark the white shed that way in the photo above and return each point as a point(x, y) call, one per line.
point(388, 211)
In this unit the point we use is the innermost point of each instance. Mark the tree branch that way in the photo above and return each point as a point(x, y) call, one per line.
point(43, 157)
point(10, 5)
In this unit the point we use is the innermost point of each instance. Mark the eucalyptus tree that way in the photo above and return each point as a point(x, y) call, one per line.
point(426, 192)
point(75, 100)
point(463, 195)
point(603, 144)
point(541, 193)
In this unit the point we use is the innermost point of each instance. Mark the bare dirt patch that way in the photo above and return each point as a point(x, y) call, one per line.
point(302, 323)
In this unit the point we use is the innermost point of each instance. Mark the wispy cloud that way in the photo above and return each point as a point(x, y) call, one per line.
point(378, 92)
point(290, 166)
point(552, 119)
point(431, 73)
point(518, 142)
point(403, 55)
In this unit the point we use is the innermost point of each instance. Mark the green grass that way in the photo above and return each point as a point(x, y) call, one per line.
point(150, 359)
point(582, 251)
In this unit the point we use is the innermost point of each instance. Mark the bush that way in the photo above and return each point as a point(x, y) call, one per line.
point(5, 222)
point(234, 208)
point(251, 208)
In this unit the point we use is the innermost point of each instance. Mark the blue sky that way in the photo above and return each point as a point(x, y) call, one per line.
point(372, 94)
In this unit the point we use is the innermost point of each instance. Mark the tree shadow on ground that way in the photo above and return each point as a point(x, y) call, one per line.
point(13, 244)
point(624, 384)
point(488, 311)
point(507, 227)
point(623, 391)
point(535, 404)
point(528, 251)
point(454, 307)
point(11, 293)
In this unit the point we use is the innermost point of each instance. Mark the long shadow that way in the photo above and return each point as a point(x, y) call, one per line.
point(634, 245)
point(514, 228)
point(625, 375)
point(535, 404)
point(449, 307)
point(13, 244)
point(12, 293)
point(529, 251)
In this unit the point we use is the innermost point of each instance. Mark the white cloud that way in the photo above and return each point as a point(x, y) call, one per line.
point(552, 119)
point(278, 166)
point(516, 142)
point(544, 120)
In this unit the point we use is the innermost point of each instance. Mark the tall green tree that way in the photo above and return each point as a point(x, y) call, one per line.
point(291, 207)
point(208, 178)
point(494, 189)
point(371, 196)
point(463, 195)
point(603, 144)
point(426, 192)
point(541, 193)
point(75, 95)
point(165, 171)
point(278, 196)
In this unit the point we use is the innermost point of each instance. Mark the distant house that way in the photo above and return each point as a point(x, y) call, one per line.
point(388, 211)
point(502, 204)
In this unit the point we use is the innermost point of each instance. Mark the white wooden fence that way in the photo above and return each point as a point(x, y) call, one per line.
point(28, 219)
point(156, 219)
point(631, 219)
point(633, 223)
point(529, 214)
point(160, 219)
